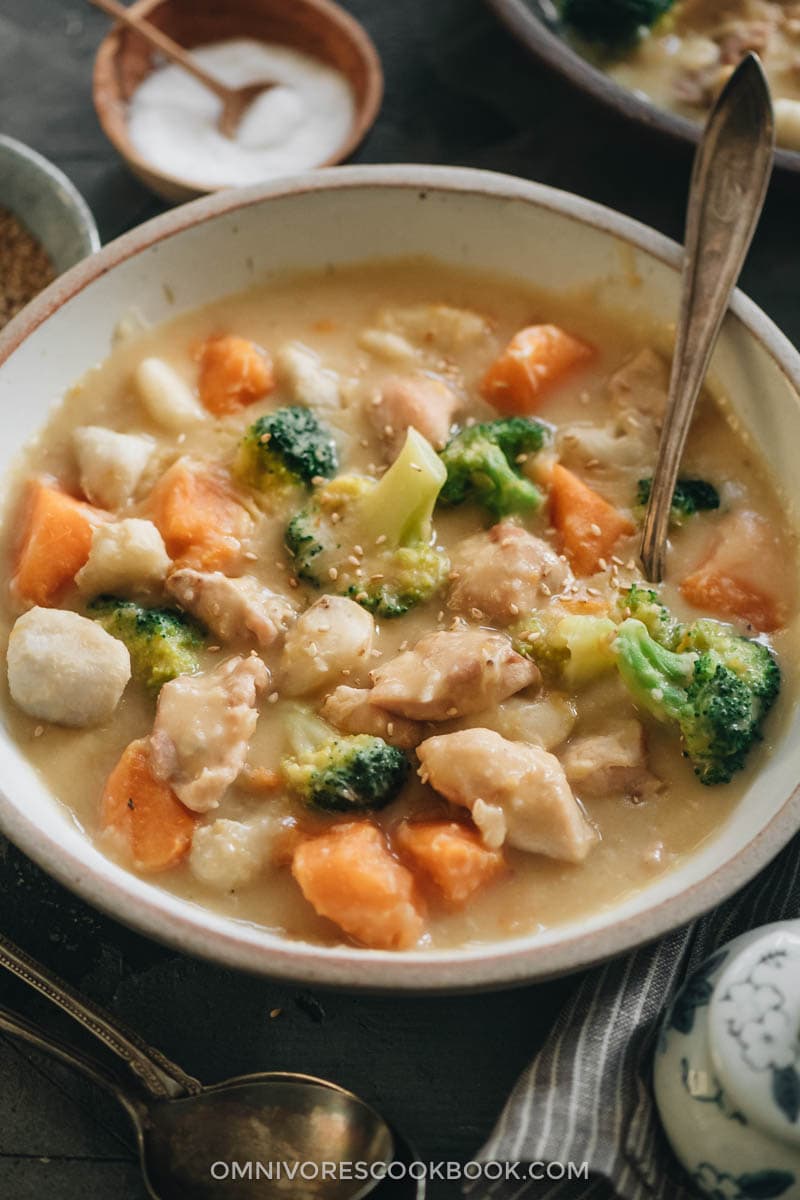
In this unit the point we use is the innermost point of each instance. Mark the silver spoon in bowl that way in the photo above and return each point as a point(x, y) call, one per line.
point(191, 1138)
point(728, 188)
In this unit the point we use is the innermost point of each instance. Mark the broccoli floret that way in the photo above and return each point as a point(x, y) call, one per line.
point(568, 648)
point(690, 496)
point(340, 772)
point(715, 686)
point(286, 448)
point(162, 642)
point(373, 540)
point(645, 605)
point(612, 22)
point(483, 465)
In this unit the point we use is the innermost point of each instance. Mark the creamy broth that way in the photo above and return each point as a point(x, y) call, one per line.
point(640, 837)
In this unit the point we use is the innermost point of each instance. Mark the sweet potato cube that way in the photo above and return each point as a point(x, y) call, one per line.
point(349, 876)
point(536, 358)
point(146, 811)
point(589, 527)
point(56, 540)
point(450, 855)
point(234, 372)
point(199, 515)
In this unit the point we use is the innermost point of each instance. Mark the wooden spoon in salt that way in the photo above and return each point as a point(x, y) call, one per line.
point(235, 101)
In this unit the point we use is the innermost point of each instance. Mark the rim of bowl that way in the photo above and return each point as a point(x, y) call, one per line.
point(200, 931)
point(60, 184)
point(540, 40)
point(364, 116)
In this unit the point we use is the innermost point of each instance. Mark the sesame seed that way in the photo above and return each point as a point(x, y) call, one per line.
point(272, 698)
point(250, 556)
point(379, 541)
point(317, 480)
point(390, 727)
point(38, 731)
point(361, 597)
point(264, 438)
point(359, 550)
point(214, 649)
point(595, 529)
point(333, 573)
point(415, 466)
point(476, 614)
point(452, 712)
point(275, 1012)
point(514, 610)
point(293, 583)
point(335, 518)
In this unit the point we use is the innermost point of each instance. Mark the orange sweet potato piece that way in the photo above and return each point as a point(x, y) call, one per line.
point(535, 358)
point(589, 527)
point(199, 515)
point(349, 876)
point(742, 576)
point(56, 540)
point(146, 811)
point(452, 856)
point(233, 373)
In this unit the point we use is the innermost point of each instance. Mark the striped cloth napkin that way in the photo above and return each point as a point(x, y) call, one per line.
point(587, 1095)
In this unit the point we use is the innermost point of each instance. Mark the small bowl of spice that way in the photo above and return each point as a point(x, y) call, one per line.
point(45, 226)
point(326, 88)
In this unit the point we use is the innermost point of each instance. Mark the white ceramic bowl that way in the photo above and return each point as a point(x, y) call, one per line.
point(220, 245)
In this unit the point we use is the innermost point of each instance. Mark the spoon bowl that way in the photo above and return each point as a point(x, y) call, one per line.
point(266, 1134)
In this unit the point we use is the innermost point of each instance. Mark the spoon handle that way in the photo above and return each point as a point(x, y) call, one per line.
point(729, 184)
point(35, 1035)
point(163, 42)
point(156, 1073)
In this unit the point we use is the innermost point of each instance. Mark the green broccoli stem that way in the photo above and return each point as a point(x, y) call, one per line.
point(656, 677)
point(400, 506)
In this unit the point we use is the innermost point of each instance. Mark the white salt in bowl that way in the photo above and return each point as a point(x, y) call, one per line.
point(472, 219)
point(320, 28)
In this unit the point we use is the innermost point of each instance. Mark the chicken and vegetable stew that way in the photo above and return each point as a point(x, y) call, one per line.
point(323, 609)
point(680, 54)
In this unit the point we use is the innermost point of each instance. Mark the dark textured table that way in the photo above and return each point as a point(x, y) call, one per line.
point(458, 90)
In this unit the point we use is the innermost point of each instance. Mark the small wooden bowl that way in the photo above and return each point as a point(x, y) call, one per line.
point(318, 27)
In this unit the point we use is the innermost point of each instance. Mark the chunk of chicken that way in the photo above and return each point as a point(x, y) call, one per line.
point(126, 558)
point(308, 382)
point(421, 401)
point(742, 575)
point(641, 385)
point(350, 877)
point(611, 763)
point(232, 609)
point(64, 668)
point(504, 573)
point(628, 443)
point(110, 463)
point(330, 641)
point(203, 728)
point(516, 793)
point(450, 674)
point(349, 710)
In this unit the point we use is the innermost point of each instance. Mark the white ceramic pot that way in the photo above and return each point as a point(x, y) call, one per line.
point(727, 1069)
point(206, 250)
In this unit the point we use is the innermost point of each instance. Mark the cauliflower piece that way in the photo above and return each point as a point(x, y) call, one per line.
point(545, 721)
point(391, 347)
point(231, 854)
point(125, 558)
point(166, 396)
point(613, 762)
point(641, 385)
point(305, 378)
point(232, 608)
point(203, 728)
point(110, 463)
point(509, 787)
point(330, 640)
point(64, 668)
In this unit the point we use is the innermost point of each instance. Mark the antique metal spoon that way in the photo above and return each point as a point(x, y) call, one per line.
point(193, 1138)
point(235, 101)
point(729, 184)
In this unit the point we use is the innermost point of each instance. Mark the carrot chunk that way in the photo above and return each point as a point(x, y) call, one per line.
point(533, 360)
point(199, 516)
point(146, 811)
point(452, 856)
point(589, 527)
point(233, 373)
point(742, 576)
point(349, 876)
point(56, 540)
